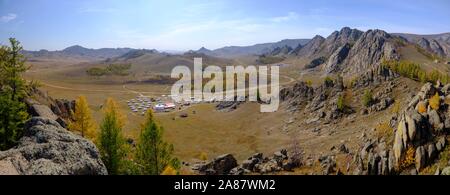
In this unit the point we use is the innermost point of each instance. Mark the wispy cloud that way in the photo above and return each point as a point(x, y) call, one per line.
point(288, 17)
point(7, 18)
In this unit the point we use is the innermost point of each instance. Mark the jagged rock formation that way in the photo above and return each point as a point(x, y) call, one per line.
point(48, 149)
point(423, 131)
point(43, 105)
point(369, 51)
point(337, 58)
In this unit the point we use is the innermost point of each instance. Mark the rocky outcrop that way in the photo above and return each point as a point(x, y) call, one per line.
point(48, 149)
point(257, 163)
point(368, 52)
point(41, 105)
point(221, 165)
point(338, 39)
point(423, 130)
point(374, 159)
point(228, 106)
point(337, 58)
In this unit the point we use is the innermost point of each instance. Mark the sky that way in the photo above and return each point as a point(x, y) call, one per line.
point(190, 24)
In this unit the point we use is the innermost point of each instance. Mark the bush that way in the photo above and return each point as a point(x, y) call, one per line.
point(203, 156)
point(435, 102)
point(309, 83)
point(13, 115)
point(328, 81)
point(384, 130)
point(341, 103)
point(367, 99)
point(409, 159)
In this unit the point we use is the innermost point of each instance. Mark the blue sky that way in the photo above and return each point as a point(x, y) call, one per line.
point(190, 24)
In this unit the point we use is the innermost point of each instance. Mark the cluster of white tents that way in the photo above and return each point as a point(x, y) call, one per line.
point(142, 104)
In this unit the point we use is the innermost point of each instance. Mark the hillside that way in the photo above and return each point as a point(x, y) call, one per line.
point(438, 44)
point(258, 49)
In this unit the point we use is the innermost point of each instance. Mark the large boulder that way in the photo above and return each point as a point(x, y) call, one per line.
point(427, 91)
point(421, 158)
point(412, 129)
point(398, 147)
point(435, 120)
point(48, 149)
point(446, 171)
point(221, 165)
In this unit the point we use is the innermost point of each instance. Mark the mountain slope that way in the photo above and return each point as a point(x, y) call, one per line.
point(438, 44)
point(258, 49)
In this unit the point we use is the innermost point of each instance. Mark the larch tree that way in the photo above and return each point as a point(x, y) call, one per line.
point(110, 140)
point(82, 119)
point(154, 154)
point(13, 113)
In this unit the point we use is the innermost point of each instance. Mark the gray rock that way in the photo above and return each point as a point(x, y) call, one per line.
point(399, 144)
point(391, 161)
point(440, 144)
point(221, 165)
point(427, 91)
point(421, 158)
point(414, 101)
point(435, 120)
point(412, 129)
point(446, 171)
point(48, 149)
point(432, 152)
point(446, 90)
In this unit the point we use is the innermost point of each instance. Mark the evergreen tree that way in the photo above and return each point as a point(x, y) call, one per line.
point(110, 140)
point(83, 121)
point(12, 67)
point(153, 153)
point(12, 119)
point(12, 89)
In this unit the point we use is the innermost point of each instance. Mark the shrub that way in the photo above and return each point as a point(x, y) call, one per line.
point(435, 102)
point(309, 83)
point(367, 99)
point(203, 156)
point(169, 170)
point(384, 130)
point(328, 81)
point(341, 103)
point(409, 158)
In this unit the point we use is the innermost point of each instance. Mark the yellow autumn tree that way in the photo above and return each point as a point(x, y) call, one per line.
point(435, 102)
point(169, 170)
point(83, 121)
point(112, 107)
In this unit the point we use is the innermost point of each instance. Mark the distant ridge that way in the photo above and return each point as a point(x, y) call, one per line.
point(258, 49)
